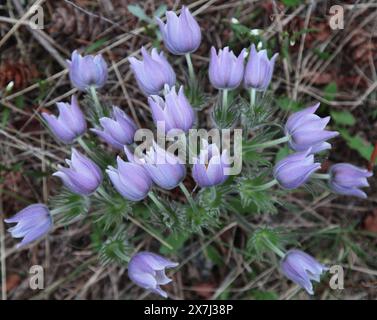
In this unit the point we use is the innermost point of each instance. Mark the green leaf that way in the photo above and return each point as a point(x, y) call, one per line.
point(287, 104)
point(344, 118)
point(330, 91)
point(214, 255)
point(264, 295)
point(95, 45)
point(176, 240)
point(357, 143)
point(282, 153)
point(292, 3)
point(160, 10)
point(139, 12)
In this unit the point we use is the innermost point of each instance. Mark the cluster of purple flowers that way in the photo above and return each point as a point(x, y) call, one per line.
point(133, 179)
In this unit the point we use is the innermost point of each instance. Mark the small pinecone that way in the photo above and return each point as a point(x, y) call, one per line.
point(72, 22)
point(20, 73)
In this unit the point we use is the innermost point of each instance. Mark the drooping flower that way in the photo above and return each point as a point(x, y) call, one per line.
point(153, 72)
point(295, 169)
point(181, 34)
point(70, 124)
point(176, 112)
point(225, 69)
point(259, 69)
point(347, 179)
point(307, 130)
point(210, 168)
point(88, 71)
point(82, 177)
point(32, 223)
point(165, 169)
point(130, 179)
point(147, 270)
point(302, 268)
point(118, 130)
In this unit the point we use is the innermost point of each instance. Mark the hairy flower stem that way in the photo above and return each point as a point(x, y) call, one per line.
point(152, 233)
point(225, 100)
point(157, 202)
point(83, 144)
point(190, 68)
point(322, 176)
point(268, 143)
point(188, 197)
point(96, 101)
point(266, 186)
point(102, 192)
point(253, 94)
point(274, 248)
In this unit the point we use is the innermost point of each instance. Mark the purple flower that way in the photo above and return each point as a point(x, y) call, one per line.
point(82, 177)
point(302, 268)
point(225, 69)
point(130, 179)
point(70, 124)
point(147, 270)
point(306, 130)
point(117, 131)
point(176, 112)
point(210, 168)
point(295, 169)
point(346, 179)
point(259, 69)
point(32, 223)
point(88, 71)
point(153, 72)
point(165, 169)
point(181, 34)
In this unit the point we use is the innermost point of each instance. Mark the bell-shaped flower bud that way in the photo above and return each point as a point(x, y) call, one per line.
point(210, 167)
point(147, 270)
point(347, 179)
point(130, 179)
point(307, 130)
point(88, 71)
point(82, 177)
point(153, 72)
point(259, 69)
point(165, 169)
point(70, 124)
point(181, 34)
point(175, 111)
point(118, 131)
point(225, 69)
point(295, 169)
point(32, 223)
point(302, 269)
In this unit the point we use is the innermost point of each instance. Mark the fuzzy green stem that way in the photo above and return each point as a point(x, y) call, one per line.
point(253, 94)
point(96, 101)
point(190, 68)
point(157, 202)
point(266, 186)
point(268, 143)
point(152, 233)
point(274, 248)
point(323, 176)
point(225, 99)
point(83, 144)
point(188, 196)
point(102, 192)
